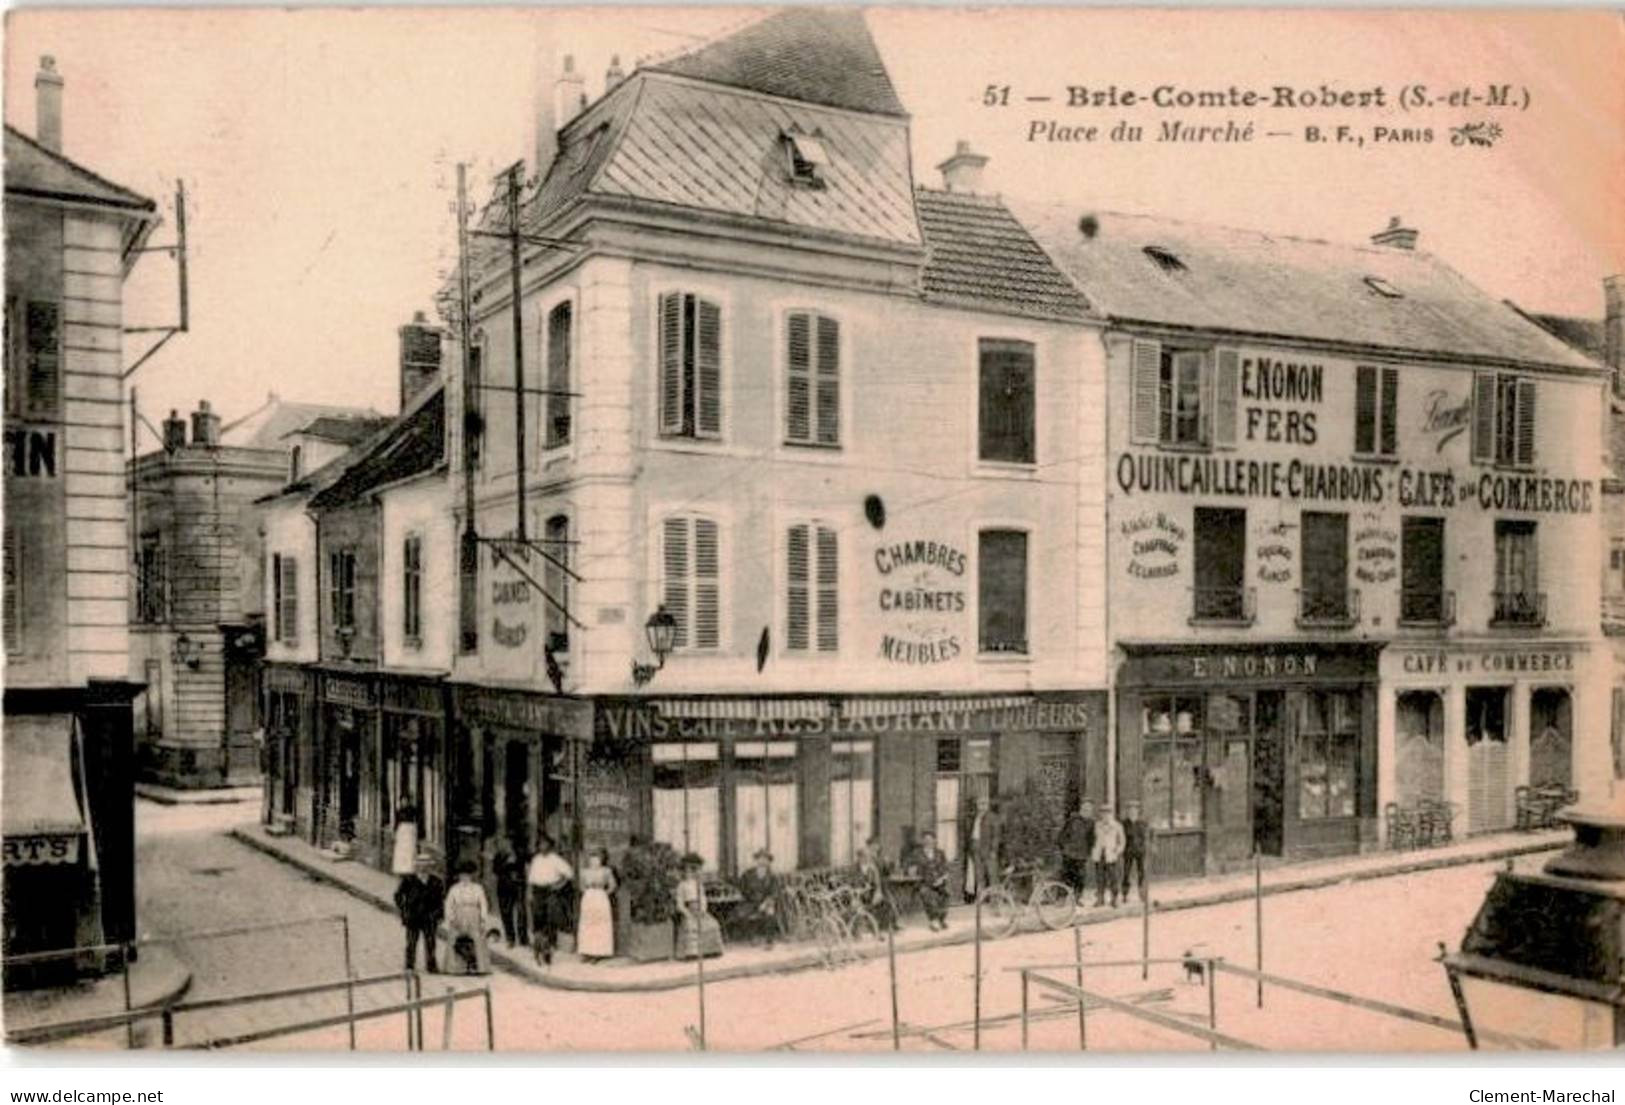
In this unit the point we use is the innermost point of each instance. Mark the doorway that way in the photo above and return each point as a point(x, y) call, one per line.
point(1487, 760)
point(516, 814)
point(1228, 775)
point(1551, 742)
point(349, 775)
point(1269, 773)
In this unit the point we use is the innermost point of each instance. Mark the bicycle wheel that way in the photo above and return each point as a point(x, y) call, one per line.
point(1055, 903)
point(1000, 912)
point(863, 928)
point(831, 937)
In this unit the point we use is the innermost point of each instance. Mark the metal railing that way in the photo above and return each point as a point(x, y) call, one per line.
point(1428, 606)
point(1518, 608)
point(1223, 605)
point(1329, 608)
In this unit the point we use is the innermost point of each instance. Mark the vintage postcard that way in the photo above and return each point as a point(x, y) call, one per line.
point(817, 529)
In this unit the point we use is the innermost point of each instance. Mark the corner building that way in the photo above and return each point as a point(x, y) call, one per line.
point(1352, 530)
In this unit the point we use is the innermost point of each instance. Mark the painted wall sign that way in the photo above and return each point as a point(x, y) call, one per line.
point(921, 600)
point(1276, 554)
point(1155, 544)
point(1250, 665)
point(1297, 480)
point(643, 723)
point(30, 454)
point(606, 807)
point(27, 851)
point(1280, 391)
point(518, 710)
point(1488, 663)
point(350, 692)
point(510, 594)
point(1376, 553)
point(1446, 417)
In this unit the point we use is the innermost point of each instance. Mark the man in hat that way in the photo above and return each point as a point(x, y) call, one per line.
point(758, 916)
point(1076, 843)
point(930, 865)
point(1134, 845)
point(420, 897)
point(550, 876)
point(1107, 851)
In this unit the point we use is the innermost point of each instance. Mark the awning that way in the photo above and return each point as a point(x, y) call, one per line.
point(818, 709)
point(40, 818)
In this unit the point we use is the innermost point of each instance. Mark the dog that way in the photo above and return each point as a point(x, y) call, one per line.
point(1195, 969)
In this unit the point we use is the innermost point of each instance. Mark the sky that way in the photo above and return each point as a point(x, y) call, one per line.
point(318, 147)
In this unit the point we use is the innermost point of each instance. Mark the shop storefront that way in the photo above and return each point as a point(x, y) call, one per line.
point(1233, 750)
point(812, 779)
point(289, 712)
point(412, 759)
point(1472, 723)
point(349, 810)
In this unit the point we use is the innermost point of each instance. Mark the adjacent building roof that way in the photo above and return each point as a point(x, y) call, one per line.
point(1157, 271)
point(32, 170)
point(981, 257)
point(1584, 334)
point(815, 55)
point(277, 418)
point(413, 443)
point(344, 429)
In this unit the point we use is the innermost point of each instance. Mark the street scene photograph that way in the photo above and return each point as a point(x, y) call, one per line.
point(802, 531)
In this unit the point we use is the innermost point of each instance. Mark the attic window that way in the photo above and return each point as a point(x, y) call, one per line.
point(584, 150)
point(1383, 288)
point(807, 157)
point(1166, 261)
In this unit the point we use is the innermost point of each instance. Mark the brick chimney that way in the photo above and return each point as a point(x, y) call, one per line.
point(546, 116)
point(1395, 235)
point(963, 171)
point(420, 356)
point(1613, 328)
point(48, 105)
point(205, 425)
point(569, 92)
point(174, 432)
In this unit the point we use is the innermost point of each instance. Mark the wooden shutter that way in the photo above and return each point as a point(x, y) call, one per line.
point(707, 585)
point(798, 381)
point(708, 369)
point(13, 357)
point(1484, 417)
point(14, 590)
point(557, 431)
point(1145, 420)
point(828, 384)
point(1390, 412)
point(44, 360)
point(674, 559)
point(290, 600)
point(276, 596)
point(1526, 423)
point(828, 592)
point(1365, 409)
point(1226, 383)
point(671, 364)
point(797, 629)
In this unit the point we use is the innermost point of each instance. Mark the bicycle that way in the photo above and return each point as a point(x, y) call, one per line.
point(1050, 900)
point(843, 923)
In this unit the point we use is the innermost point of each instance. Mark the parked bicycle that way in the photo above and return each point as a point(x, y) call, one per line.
point(1026, 889)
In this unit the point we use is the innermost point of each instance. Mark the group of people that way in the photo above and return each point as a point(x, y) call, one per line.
point(1093, 837)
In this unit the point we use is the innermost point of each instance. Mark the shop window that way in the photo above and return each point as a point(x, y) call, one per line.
point(965, 772)
point(1184, 398)
point(690, 357)
point(1517, 597)
point(687, 799)
point(851, 799)
point(1419, 747)
point(1325, 598)
point(1170, 785)
point(1503, 419)
point(812, 618)
point(1328, 750)
point(1002, 590)
point(1007, 422)
point(556, 581)
point(1220, 544)
point(1376, 414)
point(412, 775)
point(813, 380)
point(1551, 726)
point(557, 406)
point(692, 588)
point(765, 803)
point(1487, 759)
point(412, 591)
point(151, 581)
point(1421, 564)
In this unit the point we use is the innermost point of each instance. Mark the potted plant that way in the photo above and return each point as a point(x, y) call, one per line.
point(648, 884)
point(1030, 826)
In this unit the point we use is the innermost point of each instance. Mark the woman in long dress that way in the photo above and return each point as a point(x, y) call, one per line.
point(697, 931)
point(402, 861)
point(595, 930)
point(468, 919)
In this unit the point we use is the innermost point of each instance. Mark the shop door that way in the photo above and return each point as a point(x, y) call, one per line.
point(349, 778)
point(1227, 779)
point(1059, 777)
point(515, 796)
point(1551, 718)
point(1269, 774)
point(1487, 758)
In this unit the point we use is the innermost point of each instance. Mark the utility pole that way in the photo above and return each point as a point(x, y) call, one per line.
point(470, 556)
point(515, 230)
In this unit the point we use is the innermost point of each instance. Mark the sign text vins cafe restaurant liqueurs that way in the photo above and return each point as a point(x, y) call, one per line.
point(1278, 408)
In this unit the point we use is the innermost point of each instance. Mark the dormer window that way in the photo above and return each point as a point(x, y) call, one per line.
point(1383, 288)
point(1165, 260)
point(806, 156)
point(295, 463)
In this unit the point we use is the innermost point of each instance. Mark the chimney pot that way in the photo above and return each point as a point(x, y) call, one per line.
point(48, 105)
point(963, 171)
point(205, 425)
point(615, 74)
point(420, 357)
point(569, 93)
point(174, 432)
point(1395, 235)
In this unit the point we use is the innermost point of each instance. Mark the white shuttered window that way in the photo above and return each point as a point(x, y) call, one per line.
point(1185, 398)
point(691, 589)
point(690, 350)
point(813, 380)
point(812, 618)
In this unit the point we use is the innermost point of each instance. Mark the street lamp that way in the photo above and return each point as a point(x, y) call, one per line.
point(1543, 958)
point(661, 630)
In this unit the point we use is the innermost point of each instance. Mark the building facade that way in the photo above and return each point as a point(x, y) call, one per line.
point(68, 822)
point(1351, 569)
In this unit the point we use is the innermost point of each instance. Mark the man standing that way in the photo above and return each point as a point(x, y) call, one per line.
point(549, 877)
point(510, 876)
point(1107, 851)
point(420, 897)
point(760, 888)
point(1134, 841)
point(985, 843)
point(1076, 843)
point(931, 868)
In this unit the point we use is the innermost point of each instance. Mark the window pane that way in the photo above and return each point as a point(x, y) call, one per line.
point(1340, 780)
point(1003, 591)
point(1312, 768)
point(1155, 785)
point(947, 799)
point(1220, 540)
point(1187, 792)
point(1007, 402)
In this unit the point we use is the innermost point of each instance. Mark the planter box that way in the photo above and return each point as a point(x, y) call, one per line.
point(649, 943)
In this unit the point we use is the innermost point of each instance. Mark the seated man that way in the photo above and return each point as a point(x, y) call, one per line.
point(758, 914)
point(930, 865)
